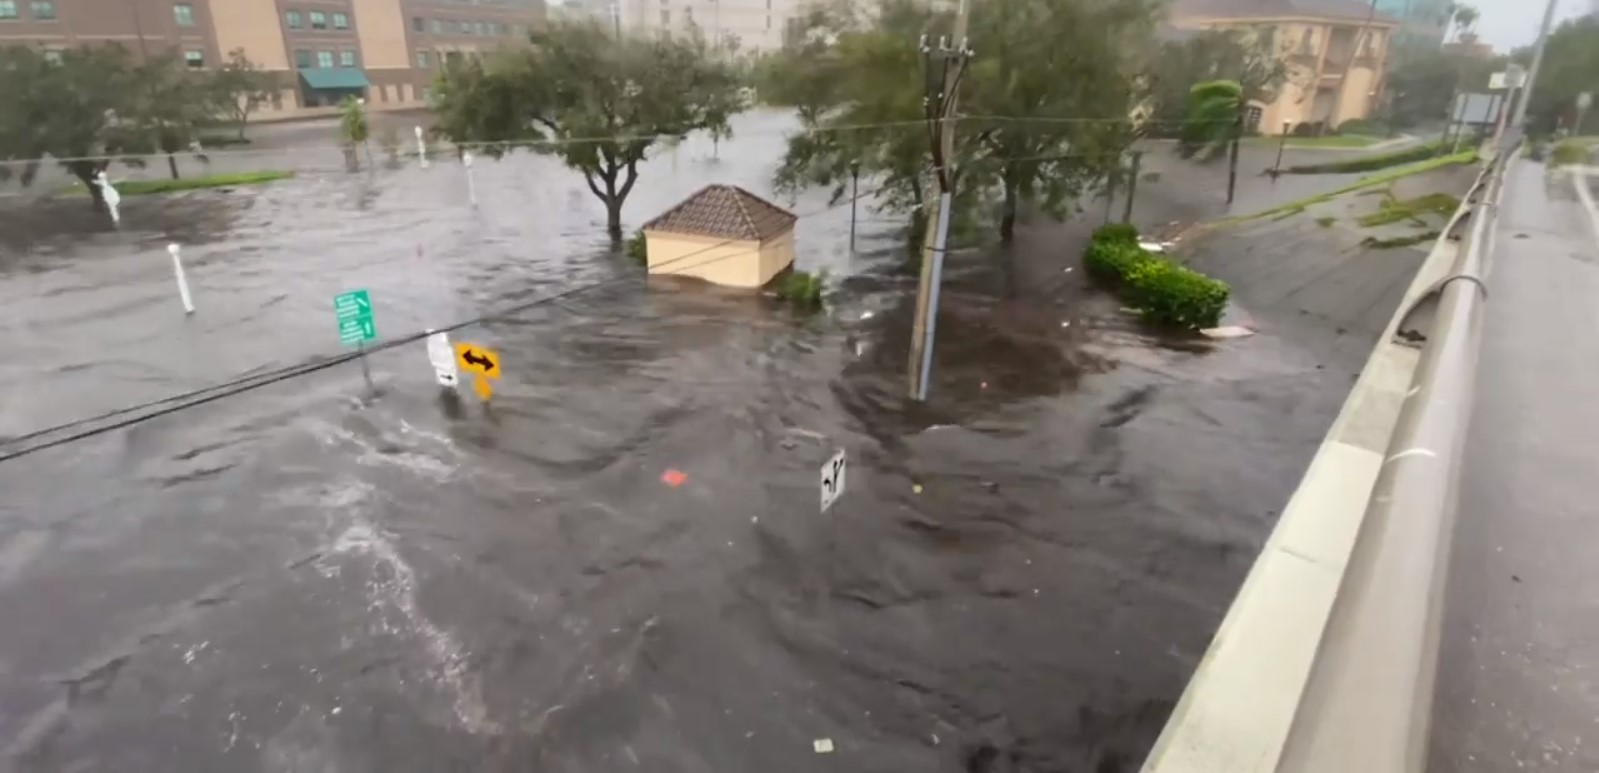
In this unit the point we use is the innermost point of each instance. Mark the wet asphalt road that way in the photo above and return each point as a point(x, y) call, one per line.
point(1020, 577)
point(1518, 681)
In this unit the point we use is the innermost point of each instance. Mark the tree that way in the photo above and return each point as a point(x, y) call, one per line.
point(597, 103)
point(1570, 66)
point(80, 109)
point(1254, 63)
point(1211, 120)
point(242, 88)
point(170, 106)
point(1051, 64)
point(1465, 18)
point(1423, 79)
point(1056, 59)
point(883, 88)
point(353, 130)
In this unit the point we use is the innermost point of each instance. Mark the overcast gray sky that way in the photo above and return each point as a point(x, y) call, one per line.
point(1507, 24)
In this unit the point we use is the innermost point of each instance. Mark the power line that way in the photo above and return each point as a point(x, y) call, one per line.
point(444, 146)
point(173, 404)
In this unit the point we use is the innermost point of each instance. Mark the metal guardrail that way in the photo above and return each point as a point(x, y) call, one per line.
point(1367, 705)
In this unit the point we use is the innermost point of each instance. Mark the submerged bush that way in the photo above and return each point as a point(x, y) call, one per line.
point(1164, 292)
point(637, 248)
point(803, 289)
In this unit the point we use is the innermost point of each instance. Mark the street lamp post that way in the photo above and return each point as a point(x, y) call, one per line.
point(1282, 143)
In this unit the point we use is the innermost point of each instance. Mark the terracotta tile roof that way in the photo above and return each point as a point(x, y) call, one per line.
point(727, 212)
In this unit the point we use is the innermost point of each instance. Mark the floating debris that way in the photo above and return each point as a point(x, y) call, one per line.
point(823, 745)
point(1230, 331)
point(673, 478)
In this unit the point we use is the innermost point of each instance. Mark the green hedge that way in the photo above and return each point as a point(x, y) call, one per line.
point(1164, 292)
point(1420, 152)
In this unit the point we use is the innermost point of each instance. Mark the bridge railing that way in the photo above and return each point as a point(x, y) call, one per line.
point(1326, 660)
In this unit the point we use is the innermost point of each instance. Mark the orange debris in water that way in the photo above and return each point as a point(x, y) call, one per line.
point(673, 478)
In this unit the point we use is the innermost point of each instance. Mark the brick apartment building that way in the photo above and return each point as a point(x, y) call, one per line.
point(383, 50)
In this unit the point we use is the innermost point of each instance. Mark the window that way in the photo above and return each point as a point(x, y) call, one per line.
point(347, 58)
point(688, 16)
point(183, 14)
point(418, 24)
point(319, 20)
point(423, 61)
point(194, 59)
point(480, 30)
point(341, 21)
point(437, 26)
point(292, 19)
point(8, 9)
point(44, 10)
point(768, 18)
point(302, 58)
point(666, 18)
point(1307, 41)
point(324, 59)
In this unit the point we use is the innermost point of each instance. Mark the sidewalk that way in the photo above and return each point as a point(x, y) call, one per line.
point(1518, 677)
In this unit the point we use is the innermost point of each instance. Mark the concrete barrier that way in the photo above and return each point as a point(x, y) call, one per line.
point(1324, 662)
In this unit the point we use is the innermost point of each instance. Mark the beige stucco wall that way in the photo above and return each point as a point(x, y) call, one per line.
point(776, 255)
point(734, 263)
point(253, 26)
point(380, 24)
point(1307, 96)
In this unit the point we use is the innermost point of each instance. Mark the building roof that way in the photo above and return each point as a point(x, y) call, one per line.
point(727, 212)
point(1261, 9)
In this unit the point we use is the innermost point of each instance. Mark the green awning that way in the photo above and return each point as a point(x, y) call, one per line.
point(334, 78)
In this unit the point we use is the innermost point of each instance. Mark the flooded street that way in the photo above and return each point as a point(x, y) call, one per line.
point(1020, 576)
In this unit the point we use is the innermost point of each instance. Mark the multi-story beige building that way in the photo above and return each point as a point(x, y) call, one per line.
point(1336, 53)
point(729, 25)
point(385, 51)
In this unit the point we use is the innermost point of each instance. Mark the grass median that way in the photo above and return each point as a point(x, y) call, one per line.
point(1382, 178)
point(150, 187)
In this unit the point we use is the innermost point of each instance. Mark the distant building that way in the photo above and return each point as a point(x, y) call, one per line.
point(1469, 46)
point(1318, 39)
point(729, 25)
point(385, 51)
point(722, 234)
point(1423, 22)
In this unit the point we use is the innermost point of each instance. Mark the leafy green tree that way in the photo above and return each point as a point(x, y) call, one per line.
point(1211, 120)
point(81, 109)
point(1255, 63)
point(242, 88)
point(1423, 79)
point(354, 130)
point(597, 103)
point(170, 106)
point(882, 89)
point(1570, 66)
point(1052, 59)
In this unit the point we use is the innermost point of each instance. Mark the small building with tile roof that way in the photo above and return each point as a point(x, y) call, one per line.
point(722, 234)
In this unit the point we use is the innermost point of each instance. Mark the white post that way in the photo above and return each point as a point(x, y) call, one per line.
point(421, 148)
point(183, 281)
point(471, 185)
point(113, 200)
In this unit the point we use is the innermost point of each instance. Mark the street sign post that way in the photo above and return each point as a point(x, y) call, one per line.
point(442, 357)
point(481, 361)
point(353, 311)
point(833, 475)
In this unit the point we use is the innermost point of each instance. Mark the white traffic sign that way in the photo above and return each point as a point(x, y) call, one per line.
point(1498, 81)
point(833, 474)
point(442, 356)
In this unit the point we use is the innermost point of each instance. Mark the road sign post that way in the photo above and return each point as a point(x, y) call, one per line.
point(353, 311)
point(833, 477)
point(481, 361)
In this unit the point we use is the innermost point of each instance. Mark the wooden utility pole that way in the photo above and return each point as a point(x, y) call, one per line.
point(944, 62)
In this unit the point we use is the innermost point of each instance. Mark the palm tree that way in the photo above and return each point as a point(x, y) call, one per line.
point(1465, 17)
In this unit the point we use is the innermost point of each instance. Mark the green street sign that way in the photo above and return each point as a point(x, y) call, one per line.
point(354, 313)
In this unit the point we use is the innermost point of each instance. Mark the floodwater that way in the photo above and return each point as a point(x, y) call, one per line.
point(1020, 575)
